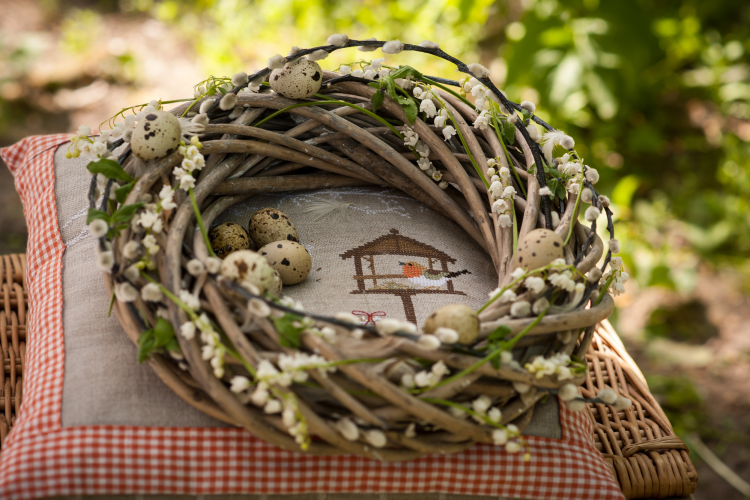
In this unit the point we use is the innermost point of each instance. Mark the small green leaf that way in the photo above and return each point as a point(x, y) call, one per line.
point(509, 131)
point(406, 72)
point(97, 214)
point(109, 169)
point(375, 85)
point(377, 100)
point(499, 333)
point(163, 332)
point(390, 87)
point(123, 191)
point(173, 346)
point(125, 213)
point(146, 345)
point(411, 111)
point(288, 333)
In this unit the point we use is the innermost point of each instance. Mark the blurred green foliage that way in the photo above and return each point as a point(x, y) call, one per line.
point(659, 92)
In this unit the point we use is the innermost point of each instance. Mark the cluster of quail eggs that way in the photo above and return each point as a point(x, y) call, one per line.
point(279, 260)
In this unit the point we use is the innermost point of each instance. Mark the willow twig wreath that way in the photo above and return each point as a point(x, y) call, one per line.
point(218, 333)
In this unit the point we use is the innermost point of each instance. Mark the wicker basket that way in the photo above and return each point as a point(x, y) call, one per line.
point(13, 307)
point(639, 444)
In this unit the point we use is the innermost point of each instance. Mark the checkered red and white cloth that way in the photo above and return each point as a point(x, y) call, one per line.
point(40, 458)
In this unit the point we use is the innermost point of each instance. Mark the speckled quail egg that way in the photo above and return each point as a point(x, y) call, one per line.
point(298, 79)
point(227, 238)
point(290, 259)
point(248, 268)
point(458, 317)
point(156, 135)
point(275, 288)
point(537, 249)
point(269, 225)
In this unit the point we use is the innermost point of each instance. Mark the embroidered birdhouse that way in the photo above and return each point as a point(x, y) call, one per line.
point(422, 269)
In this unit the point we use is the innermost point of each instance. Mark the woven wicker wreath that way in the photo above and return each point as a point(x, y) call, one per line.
point(328, 385)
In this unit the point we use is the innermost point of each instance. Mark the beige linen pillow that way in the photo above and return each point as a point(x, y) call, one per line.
point(360, 251)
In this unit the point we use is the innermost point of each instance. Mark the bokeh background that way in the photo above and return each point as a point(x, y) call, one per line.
point(655, 92)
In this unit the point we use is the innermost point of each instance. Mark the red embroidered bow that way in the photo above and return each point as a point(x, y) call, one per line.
point(368, 317)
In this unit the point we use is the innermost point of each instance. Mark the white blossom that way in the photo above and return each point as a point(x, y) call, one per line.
point(339, 40)
point(393, 47)
point(552, 139)
point(592, 213)
point(213, 265)
point(190, 300)
point(131, 250)
point(545, 191)
point(478, 70)
point(151, 293)
point(447, 335)
point(449, 132)
point(607, 395)
point(499, 437)
point(376, 437)
point(520, 309)
point(98, 228)
point(187, 330)
point(276, 62)
point(494, 414)
point(592, 175)
point(577, 405)
point(105, 260)
point(614, 246)
point(272, 406)
point(481, 404)
point(622, 403)
point(345, 70)
point(318, 55)
point(229, 101)
point(529, 106)
point(239, 384)
point(535, 284)
point(367, 48)
point(507, 296)
point(540, 305)
point(567, 392)
point(347, 428)
point(258, 308)
point(482, 121)
point(428, 107)
point(429, 342)
point(125, 292)
point(504, 220)
point(534, 132)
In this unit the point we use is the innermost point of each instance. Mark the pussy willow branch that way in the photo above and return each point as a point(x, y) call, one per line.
point(461, 66)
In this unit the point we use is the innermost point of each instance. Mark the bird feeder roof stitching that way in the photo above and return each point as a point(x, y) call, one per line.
point(395, 243)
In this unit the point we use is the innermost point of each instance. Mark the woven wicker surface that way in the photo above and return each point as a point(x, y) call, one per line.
point(639, 444)
point(652, 463)
point(13, 307)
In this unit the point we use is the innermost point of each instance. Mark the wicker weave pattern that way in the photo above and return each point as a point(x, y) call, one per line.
point(13, 306)
point(639, 444)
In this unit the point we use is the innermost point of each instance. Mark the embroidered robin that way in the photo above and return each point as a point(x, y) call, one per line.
point(420, 275)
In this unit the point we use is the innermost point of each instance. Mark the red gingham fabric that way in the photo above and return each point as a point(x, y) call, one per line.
point(40, 458)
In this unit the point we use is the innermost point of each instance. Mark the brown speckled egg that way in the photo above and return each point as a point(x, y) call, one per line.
point(156, 135)
point(290, 259)
point(537, 249)
point(269, 225)
point(227, 238)
point(248, 268)
point(298, 79)
point(458, 317)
